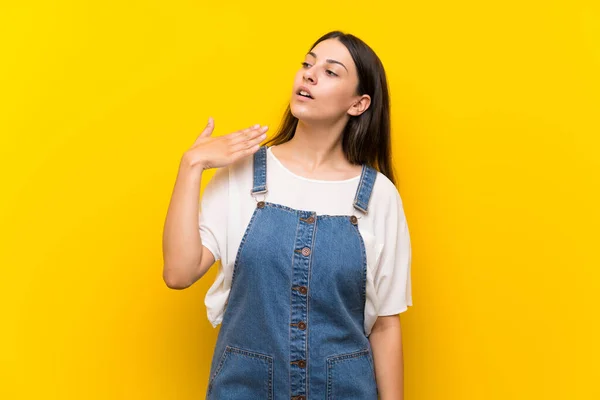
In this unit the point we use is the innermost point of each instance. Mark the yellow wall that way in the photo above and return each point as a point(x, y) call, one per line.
point(496, 122)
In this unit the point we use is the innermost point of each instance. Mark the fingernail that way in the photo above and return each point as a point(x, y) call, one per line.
point(256, 126)
point(264, 128)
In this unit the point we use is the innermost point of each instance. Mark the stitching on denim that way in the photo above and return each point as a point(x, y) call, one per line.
point(307, 388)
point(250, 353)
point(271, 369)
point(259, 157)
point(329, 380)
point(298, 211)
point(253, 173)
point(262, 357)
point(242, 243)
point(254, 162)
point(332, 360)
point(267, 359)
point(291, 313)
point(285, 208)
point(367, 183)
point(360, 184)
point(263, 166)
point(372, 184)
point(219, 366)
point(345, 216)
point(365, 191)
point(345, 356)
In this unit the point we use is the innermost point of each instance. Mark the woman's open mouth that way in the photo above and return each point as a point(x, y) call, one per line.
point(303, 93)
point(303, 98)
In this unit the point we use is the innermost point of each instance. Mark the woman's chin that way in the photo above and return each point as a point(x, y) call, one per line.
point(302, 113)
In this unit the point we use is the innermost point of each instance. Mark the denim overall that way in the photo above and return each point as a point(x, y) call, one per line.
point(293, 324)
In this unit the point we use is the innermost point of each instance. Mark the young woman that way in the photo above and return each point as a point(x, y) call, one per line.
point(313, 241)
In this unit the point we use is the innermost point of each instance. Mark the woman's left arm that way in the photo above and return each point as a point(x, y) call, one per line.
point(386, 345)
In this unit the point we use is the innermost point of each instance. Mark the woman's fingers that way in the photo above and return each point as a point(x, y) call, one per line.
point(254, 139)
point(248, 138)
point(220, 151)
point(241, 131)
point(247, 134)
point(243, 152)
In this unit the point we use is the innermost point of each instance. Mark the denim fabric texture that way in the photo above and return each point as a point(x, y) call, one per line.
point(293, 323)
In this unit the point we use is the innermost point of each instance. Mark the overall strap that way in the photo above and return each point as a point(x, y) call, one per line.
point(260, 171)
point(365, 187)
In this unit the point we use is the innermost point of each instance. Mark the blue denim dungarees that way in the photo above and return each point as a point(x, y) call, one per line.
point(293, 324)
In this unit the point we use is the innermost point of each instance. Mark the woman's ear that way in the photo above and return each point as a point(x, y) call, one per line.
point(360, 105)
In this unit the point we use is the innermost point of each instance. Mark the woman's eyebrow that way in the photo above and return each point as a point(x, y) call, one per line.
point(329, 60)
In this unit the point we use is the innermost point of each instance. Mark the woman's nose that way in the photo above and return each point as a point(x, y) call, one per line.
point(309, 75)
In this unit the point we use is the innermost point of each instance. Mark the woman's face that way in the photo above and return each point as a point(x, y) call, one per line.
point(329, 75)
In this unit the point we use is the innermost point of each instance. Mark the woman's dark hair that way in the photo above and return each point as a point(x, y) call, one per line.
point(366, 138)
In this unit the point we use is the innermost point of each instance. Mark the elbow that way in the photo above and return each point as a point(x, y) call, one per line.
point(174, 280)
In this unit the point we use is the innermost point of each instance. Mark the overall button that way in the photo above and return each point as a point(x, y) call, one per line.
point(354, 220)
point(306, 252)
point(303, 289)
point(301, 397)
point(301, 325)
point(301, 363)
point(260, 204)
point(308, 220)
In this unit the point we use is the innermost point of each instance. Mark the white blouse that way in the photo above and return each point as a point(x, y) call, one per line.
point(226, 208)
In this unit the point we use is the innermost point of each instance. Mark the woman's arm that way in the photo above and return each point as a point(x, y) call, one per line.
point(386, 344)
point(186, 259)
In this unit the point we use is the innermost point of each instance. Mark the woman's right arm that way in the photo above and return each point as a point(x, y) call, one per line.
point(185, 258)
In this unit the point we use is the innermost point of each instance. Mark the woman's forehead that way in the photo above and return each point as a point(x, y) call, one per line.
point(333, 49)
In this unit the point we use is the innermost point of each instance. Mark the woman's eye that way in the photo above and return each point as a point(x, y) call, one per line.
point(328, 72)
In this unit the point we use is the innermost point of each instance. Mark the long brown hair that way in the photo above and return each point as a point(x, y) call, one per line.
point(366, 138)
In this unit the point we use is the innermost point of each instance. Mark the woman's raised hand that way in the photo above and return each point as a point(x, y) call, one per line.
point(219, 151)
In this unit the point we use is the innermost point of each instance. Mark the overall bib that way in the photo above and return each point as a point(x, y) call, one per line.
point(293, 324)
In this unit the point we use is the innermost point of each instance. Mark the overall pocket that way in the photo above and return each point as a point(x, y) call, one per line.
point(351, 376)
point(242, 374)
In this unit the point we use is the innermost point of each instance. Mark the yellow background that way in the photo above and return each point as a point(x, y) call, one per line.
point(496, 123)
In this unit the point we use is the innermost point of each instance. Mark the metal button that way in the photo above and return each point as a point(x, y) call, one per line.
point(300, 363)
point(310, 220)
point(354, 220)
point(303, 289)
point(301, 325)
point(300, 397)
point(306, 252)
point(260, 204)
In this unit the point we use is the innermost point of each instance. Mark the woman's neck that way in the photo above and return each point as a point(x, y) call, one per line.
point(317, 149)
